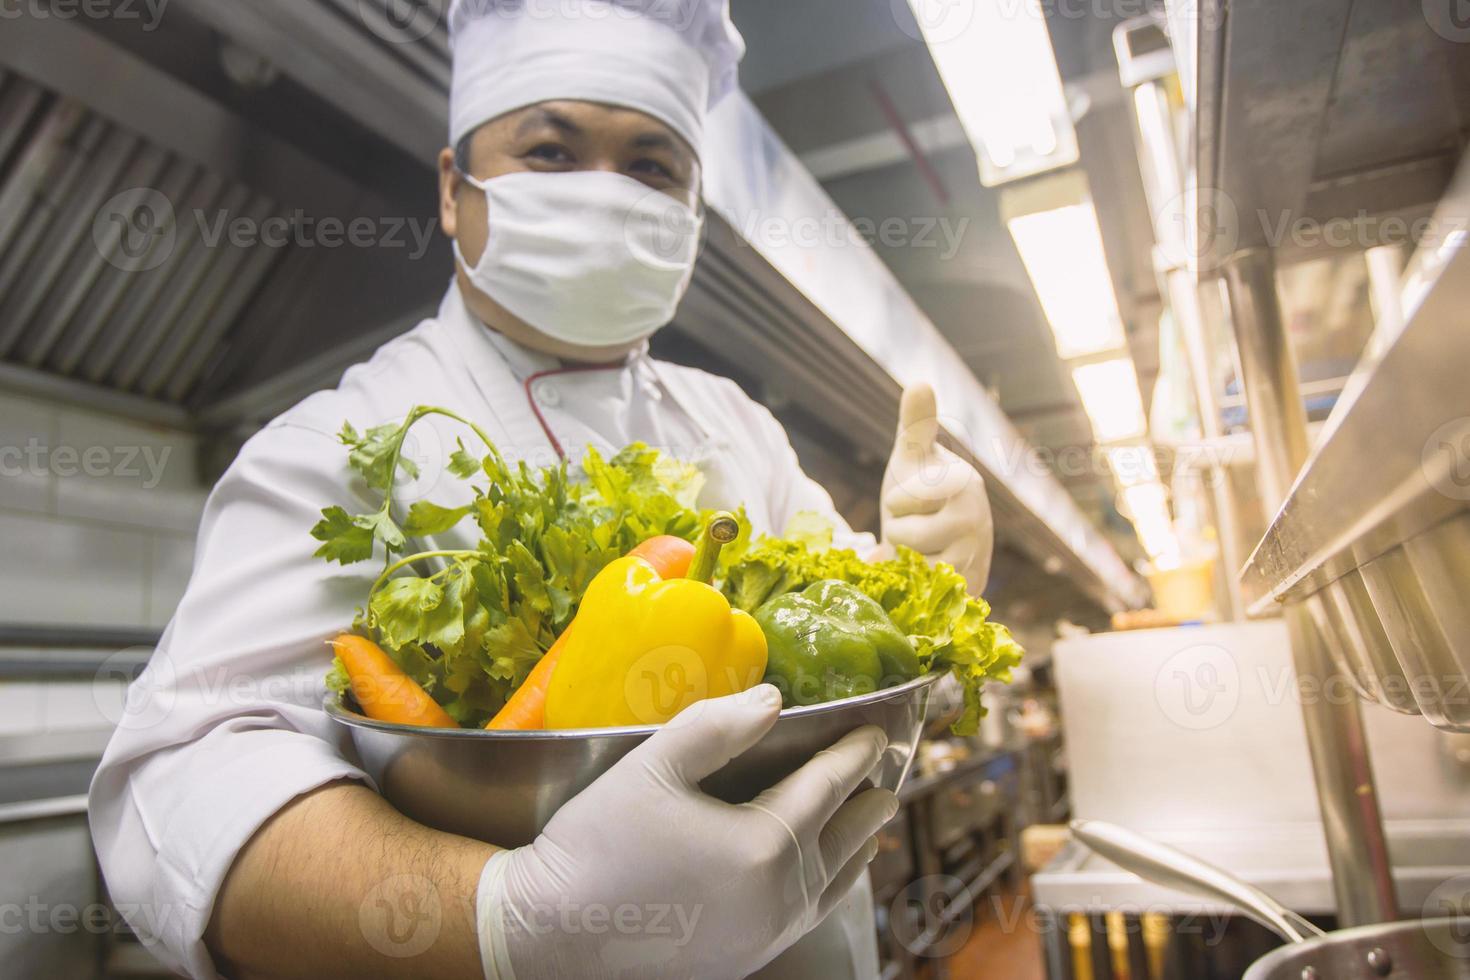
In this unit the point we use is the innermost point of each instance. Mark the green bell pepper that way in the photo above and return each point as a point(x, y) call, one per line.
point(832, 641)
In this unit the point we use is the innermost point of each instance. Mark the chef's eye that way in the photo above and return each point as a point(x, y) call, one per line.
point(652, 169)
point(550, 153)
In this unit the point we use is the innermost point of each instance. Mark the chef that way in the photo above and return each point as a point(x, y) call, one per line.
point(235, 828)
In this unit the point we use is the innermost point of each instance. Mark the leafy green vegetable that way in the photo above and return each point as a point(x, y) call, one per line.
point(426, 519)
point(344, 541)
point(949, 628)
point(469, 624)
point(337, 680)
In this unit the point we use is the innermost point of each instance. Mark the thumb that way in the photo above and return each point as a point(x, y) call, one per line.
point(703, 737)
point(918, 422)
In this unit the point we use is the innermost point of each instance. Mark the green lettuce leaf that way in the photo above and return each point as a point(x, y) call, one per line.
point(949, 628)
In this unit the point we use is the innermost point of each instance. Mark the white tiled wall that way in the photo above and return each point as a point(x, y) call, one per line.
point(97, 517)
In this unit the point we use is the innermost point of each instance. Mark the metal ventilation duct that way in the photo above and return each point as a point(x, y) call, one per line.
point(107, 286)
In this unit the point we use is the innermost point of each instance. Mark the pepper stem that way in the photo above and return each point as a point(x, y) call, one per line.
point(723, 527)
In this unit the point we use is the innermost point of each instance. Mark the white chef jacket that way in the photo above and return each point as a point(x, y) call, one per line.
point(225, 726)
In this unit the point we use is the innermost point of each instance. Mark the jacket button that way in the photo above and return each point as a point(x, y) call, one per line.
point(547, 394)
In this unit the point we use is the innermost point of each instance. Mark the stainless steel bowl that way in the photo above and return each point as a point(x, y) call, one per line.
point(502, 787)
point(1432, 949)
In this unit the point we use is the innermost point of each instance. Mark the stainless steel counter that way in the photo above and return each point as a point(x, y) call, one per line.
point(1288, 863)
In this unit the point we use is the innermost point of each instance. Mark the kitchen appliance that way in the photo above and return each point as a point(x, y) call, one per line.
point(1429, 949)
point(503, 786)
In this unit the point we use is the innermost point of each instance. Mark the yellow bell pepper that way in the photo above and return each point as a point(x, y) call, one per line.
point(646, 648)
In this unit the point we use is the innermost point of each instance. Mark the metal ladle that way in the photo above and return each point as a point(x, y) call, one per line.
point(1173, 868)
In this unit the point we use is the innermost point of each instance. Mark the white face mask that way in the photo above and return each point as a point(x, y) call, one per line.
point(590, 258)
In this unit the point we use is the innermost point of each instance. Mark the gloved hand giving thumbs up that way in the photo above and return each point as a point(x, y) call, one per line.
point(933, 501)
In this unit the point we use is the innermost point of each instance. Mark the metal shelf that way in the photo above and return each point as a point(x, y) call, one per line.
point(1374, 536)
point(1321, 110)
point(1391, 462)
point(1307, 115)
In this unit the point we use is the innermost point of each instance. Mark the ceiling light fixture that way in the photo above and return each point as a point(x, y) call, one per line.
point(1109, 392)
point(996, 61)
point(1062, 250)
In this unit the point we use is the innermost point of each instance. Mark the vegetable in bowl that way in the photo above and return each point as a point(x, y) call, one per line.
point(470, 626)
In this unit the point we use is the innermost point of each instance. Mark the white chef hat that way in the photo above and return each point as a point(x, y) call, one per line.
point(672, 59)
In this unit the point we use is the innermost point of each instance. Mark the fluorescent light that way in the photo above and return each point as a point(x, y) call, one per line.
point(1062, 250)
point(1160, 543)
point(1145, 500)
point(1133, 464)
point(1147, 506)
point(1109, 392)
point(996, 61)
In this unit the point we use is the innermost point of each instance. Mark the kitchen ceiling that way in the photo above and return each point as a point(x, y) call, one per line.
point(833, 76)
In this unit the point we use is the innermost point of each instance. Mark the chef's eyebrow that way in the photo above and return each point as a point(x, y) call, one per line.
point(654, 140)
point(548, 117)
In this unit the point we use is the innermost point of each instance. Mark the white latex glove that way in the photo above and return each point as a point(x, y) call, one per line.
point(933, 501)
point(642, 875)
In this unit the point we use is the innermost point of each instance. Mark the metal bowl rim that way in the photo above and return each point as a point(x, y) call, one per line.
point(333, 707)
point(1344, 937)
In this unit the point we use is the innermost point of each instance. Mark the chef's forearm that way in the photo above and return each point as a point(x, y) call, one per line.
point(338, 883)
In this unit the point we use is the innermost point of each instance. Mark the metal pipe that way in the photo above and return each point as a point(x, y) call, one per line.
point(1357, 848)
point(1186, 301)
point(1385, 289)
point(1164, 187)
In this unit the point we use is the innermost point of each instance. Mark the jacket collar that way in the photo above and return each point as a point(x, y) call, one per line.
point(472, 333)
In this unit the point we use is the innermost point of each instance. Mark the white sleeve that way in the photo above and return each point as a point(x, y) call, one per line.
point(225, 726)
point(792, 491)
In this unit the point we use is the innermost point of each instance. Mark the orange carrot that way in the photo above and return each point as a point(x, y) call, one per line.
point(383, 690)
point(669, 556)
point(526, 708)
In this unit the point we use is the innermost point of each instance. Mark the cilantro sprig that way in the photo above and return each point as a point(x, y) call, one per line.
point(377, 455)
